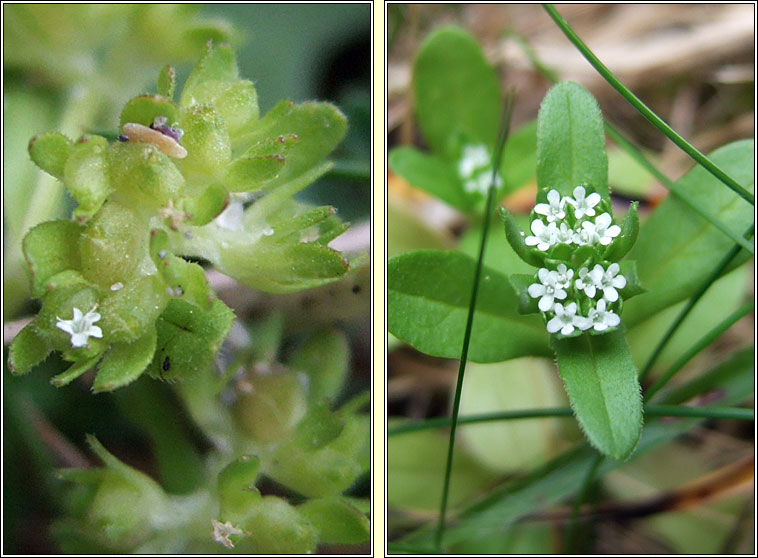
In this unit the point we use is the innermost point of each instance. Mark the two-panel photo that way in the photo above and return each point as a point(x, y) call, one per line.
point(377, 278)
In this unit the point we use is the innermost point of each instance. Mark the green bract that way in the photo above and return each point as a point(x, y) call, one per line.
point(179, 181)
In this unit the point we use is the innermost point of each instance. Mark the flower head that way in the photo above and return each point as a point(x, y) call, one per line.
point(548, 289)
point(544, 236)
point(80, 328)
point(600, 319)
point(583, 205)
point(565, 319)
point(554, 209)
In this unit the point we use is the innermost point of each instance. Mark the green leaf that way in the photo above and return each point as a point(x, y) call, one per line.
point(407, 231)
point(27, 350)
point(250, 173)
point(676, 249)
point(318, 428)
point(455, 90)
point(276, 527)
point(206, 138)
point(570, 142)
point(427, 305)
point(86, 176)
point(202, 209)
point(601, 383)
point(325, 358)
point(127, 313)
point(337, 521)
point(144, 108)
point(431, 174)
point(498, 255)
point(140, 173)
point(74, 371)
point(124, 362)
point(50, 248)
point(630, 227)
point(520, 283)
point(218, 63)
point(49, 151)
point(236, 487)
point(519, 158)
point(167, 82)
point(628, 269)
point(188, 338)
point(515, 237)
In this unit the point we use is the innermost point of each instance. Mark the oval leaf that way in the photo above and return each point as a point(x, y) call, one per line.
point(601, 383)
point(570, 142)
point(124, 363)
point(428, 298)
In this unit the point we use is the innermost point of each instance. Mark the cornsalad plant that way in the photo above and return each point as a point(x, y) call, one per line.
point(201, 177)
point(571, 282)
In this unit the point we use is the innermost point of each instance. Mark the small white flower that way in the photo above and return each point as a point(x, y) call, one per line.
point(563, 276)
point(548, 290)
point(608, 281)
point(604, 231)
point(544, 236)
point(80, 328)
point(474, 157)
point(585, 234)
point(222, 531)
point(600, 319)
point(565, 234)
point(583, 205)
point(554, 209)
point(585, 283)
point(565, 319)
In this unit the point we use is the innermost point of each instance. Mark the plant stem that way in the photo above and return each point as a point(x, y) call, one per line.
point(505, 123)
point(558, 412)
point(699, 346)
point(715, 274)
point(654, 119)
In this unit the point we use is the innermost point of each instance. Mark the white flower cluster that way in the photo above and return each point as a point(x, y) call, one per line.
point(557, 231)
point(558, 284)
point(475, 169)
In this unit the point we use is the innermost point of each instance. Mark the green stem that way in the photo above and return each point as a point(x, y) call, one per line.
point(565, 412)
point(699, 346)
point(715, 274)
point(504, 128)
point(683, 144)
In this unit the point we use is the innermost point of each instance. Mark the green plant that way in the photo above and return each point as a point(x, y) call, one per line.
point(191, 178)
point(588, 270)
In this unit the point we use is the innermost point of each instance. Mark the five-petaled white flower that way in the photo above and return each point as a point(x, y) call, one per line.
point(565, 234)
point(222, 531)
point(548, 290)
point(608, 281)
point(585, 283)
point(554, 209)
point(80, 328)
point(565, 319)
point(601, 319)
point(583, 205)
point(544, 236)
point(603, 231)
point(563, 276)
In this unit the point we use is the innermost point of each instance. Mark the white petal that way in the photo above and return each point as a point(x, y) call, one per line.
point(542, 209)
point(544, 276)
point(531, 241)
point(610, 294)
point(554, 325)
point(553, 197)
point(560, 294)
point(603, 220)
point(535, 290)
point(78, 339)
point(613, 231)
point(593, 199)
point(545, 303)
point(590, 290)
point(571, 309)
point(544, 246)
point(579, 193)
point(568, 329)
point(95, 331)
point(582, 323)
point(538, 226)
point(619, 282)
point(612, 319)
point(600, 326)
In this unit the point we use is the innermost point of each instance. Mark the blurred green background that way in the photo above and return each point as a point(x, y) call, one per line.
point(70, 68)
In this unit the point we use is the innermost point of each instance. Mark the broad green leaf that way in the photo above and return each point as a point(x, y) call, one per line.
point(324, 357)
point(520, 283)
point(570, 142)
point(601, 383)
point(27, 350)
point(250, 173)
point(218, 63)
point(188, 338)
point(49, 151)
point(676, 249)
point(498, 255)
point(519, 158)
point(209, 149)
point(431, 174)
point(86, 176)
point(416, 467)
point(50, 248)
point(319, 427)
point(428, 298)
point(511, 446)
point(455, 90)
point(337, 521)
point(124, 362)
